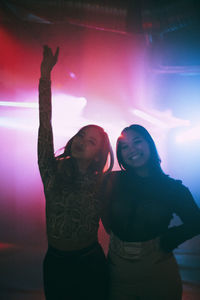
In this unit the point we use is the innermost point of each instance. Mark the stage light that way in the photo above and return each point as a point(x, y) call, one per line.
point(76, 102)
point(19, 104)
point(162, 119)
point(149, 118)
point(66, 114)
point(192, 134)
point(72, 75)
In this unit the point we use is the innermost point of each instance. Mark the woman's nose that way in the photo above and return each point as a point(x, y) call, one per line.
point(133, 146)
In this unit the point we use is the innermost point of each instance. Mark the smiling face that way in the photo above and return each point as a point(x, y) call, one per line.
point(135, 151)
point(86, 145)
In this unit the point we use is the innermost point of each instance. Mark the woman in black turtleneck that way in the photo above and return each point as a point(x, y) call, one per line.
point(141, 203)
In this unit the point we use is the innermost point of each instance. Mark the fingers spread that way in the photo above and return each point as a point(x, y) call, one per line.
point(45, 50)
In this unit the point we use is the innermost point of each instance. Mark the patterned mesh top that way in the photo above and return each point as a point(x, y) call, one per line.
point(73, 209)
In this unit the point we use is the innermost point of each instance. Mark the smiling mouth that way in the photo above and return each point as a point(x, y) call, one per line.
point(134, 157)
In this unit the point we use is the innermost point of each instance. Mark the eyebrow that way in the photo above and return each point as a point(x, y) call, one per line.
point(135, 138)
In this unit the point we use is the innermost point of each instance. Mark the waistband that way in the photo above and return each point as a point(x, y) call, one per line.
point(133, 250)
point(73, 253)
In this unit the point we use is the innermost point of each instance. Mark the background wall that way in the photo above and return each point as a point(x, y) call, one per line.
point(101, 77)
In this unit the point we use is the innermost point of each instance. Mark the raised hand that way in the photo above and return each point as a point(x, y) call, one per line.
point(48, 62)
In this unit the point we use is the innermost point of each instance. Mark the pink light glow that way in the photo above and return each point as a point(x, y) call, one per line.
point(164, 120)
point(192, 134)
point(18, 104)
point(67, 118)
point(108, 70)
point(72, 75)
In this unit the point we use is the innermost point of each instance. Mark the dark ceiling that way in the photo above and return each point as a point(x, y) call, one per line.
point(171, 27)
point(155, 16)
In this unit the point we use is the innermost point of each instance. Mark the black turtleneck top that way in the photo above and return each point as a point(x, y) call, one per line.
point(140, 209)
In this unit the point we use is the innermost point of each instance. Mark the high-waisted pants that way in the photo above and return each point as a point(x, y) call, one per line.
point(152, 277)
point(76, 275)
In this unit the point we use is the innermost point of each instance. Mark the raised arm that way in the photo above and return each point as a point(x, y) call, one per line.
point(46, 160)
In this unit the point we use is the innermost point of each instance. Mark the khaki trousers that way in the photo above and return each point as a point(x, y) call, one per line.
point(155, 277)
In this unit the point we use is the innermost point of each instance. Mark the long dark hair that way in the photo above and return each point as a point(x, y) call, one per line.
point(154, 162)
point(105, 151)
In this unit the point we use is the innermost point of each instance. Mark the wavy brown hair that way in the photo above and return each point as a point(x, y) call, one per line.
point(104, 154)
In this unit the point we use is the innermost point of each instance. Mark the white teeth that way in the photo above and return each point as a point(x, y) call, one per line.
point(135, 157)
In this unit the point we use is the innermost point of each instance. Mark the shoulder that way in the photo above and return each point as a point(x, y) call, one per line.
point(112, 176)
point(175, 186)
point(110, 180)
point(172, 181)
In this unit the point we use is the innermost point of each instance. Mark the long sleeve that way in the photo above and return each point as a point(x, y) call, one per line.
point(106, 194)
point(185, 207)
point(104, 198)
point(46, 160)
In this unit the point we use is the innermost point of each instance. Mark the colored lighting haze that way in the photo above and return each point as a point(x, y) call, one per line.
point(110, 88)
